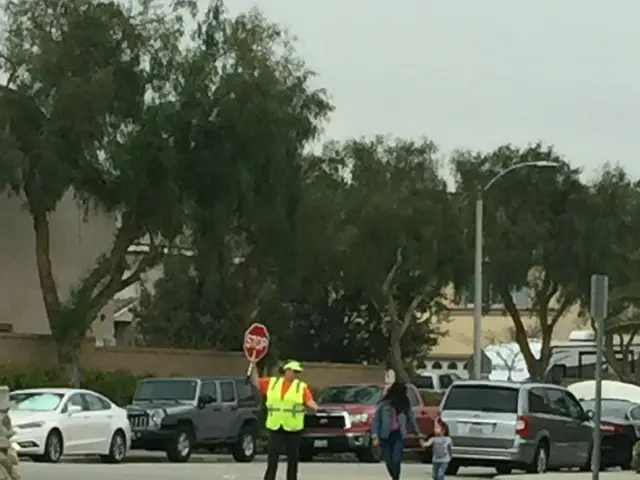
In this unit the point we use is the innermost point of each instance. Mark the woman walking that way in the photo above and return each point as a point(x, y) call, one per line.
point(389, 427)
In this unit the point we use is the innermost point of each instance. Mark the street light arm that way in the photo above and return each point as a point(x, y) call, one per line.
point(502, 173)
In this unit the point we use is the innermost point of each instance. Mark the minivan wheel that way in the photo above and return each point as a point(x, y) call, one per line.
point(452, 468)
point(503, 469)
point(540, 460)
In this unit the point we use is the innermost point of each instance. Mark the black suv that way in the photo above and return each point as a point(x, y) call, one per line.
point(178, 415)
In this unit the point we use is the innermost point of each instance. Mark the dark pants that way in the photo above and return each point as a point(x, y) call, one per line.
point(391, 451)
point(279, 440)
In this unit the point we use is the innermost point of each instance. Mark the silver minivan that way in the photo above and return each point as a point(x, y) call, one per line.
point(529, 426)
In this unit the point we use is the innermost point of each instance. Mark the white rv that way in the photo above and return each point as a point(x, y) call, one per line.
point(575, 359)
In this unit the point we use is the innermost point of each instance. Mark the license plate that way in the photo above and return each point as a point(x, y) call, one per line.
point(321, 443)
point(476, 430)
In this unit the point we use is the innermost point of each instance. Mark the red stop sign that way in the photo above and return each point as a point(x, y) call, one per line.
point(256, 342)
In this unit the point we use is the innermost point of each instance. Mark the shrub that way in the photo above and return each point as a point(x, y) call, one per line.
point(635, 462)
point(118, 385)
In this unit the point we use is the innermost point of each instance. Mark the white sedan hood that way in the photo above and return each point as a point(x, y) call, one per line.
point(19, 417)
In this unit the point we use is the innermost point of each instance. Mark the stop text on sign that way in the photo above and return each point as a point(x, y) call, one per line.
point(257, 342)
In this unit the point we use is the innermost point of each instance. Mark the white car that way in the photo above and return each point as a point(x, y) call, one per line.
point(51, 422)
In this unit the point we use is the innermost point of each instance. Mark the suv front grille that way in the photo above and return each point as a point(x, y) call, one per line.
point(324, 421)
point(139, 420)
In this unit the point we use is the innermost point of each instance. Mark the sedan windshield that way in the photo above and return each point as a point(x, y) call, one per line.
point(35, 401)
point(610, 408)
point(368, 394)
point(176, 390)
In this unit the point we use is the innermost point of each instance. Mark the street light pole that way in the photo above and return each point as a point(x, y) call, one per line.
point(477, 290)
point(479, 260)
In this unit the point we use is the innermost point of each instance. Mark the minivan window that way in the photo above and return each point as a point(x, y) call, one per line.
point(483, 398)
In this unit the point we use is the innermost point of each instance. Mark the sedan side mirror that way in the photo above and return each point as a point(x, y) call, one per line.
point(73, 409)
point(204, 400)
point(589, 414)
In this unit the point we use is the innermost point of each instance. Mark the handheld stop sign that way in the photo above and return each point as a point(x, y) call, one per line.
point(256, 343)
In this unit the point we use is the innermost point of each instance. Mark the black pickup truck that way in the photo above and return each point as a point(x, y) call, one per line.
point(177, 415)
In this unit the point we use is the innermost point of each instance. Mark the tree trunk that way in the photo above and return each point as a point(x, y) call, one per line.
point(69, 361)
point(68, 343)
point(396, 360)
point(47, 281)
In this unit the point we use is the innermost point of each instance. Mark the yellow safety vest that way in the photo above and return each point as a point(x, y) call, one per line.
point(285, 412)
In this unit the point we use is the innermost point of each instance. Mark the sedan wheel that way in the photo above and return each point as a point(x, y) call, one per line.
point(53, 447)
point(117, 448)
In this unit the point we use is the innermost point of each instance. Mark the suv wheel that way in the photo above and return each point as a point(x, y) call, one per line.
point(540, 460)
point(368, 455)
point(306, 455)
point(180, 445)
point(244, 450)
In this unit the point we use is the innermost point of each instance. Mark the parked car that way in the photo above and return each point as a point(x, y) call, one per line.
point(620, 428)
point(343, 425)
point(52, 422)
point(178, 415)
point(510, 426)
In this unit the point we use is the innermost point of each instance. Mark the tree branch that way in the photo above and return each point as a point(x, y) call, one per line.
point(386, 285)
point(118, 282)
point(14, 69)
point(124, 238)
point(562, 308)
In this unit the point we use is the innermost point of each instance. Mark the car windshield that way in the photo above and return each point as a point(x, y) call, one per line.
point(482, 398)
point(610, 408)
point(35, 401)
point(369, 394)
point(174, 389)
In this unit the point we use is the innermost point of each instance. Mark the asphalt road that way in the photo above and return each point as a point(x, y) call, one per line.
point(216, 467)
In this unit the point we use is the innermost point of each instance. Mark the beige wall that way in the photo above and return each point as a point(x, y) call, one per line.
point(76, 242)
point(28, 349)
point(496, 328)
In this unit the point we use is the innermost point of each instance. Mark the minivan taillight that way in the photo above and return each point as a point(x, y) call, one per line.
point(522, 426)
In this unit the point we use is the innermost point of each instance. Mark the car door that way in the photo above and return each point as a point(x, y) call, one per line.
point(73, 425)
point(565, 429)
point(584, 429)
point(98, 423)
point(210, 416)
point(229, 401)
point(545, 422)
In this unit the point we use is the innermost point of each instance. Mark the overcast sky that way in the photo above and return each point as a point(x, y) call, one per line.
point(477, 74)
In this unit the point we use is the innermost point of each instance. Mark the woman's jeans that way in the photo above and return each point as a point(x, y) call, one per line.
point(391, 451)
point(439, 470)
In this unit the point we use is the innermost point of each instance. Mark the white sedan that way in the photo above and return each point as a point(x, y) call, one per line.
point(51, 422)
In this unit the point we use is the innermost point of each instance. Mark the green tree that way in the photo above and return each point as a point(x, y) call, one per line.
point(616, 215)
point(539, 234)
point(112, 104)
point(399, 235)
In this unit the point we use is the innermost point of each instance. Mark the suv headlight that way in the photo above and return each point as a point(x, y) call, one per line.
point(358, 418)
point(155, 418)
